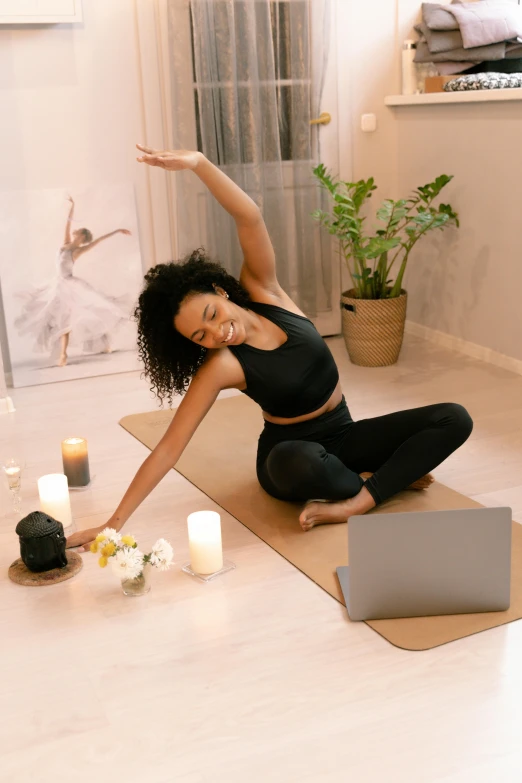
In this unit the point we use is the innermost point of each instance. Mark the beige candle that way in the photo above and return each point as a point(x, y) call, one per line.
point(206, 551)
point(54, 498)
point(76, 462)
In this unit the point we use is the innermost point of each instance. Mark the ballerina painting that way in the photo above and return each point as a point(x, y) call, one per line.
point(78, 310)
point(69, 306)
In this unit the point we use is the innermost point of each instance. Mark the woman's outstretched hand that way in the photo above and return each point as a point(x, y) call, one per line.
point(125, 231)
point(170, 160)
point(84, 538)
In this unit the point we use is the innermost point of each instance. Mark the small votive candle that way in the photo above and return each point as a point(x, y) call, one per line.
point(54, 498)
point(76, 462)
point(206, 550)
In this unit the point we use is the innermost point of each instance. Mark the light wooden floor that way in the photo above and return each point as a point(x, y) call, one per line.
point(258, 676)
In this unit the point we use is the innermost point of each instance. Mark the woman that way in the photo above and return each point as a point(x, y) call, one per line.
point(199, 326)
point(69, 306)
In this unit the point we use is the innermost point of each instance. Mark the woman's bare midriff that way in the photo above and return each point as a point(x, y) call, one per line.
point(332, 403)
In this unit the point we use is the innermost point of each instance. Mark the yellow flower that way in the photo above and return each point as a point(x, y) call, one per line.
point(109, 549)
point(100, 537)
point(94, 547)
point(128, 540)
point(102, 562)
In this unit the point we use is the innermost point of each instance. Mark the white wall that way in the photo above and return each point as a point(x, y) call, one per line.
point(465, 283)
point(71, 108)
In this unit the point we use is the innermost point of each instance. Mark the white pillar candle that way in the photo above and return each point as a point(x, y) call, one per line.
point(54, 498)
point(206, 551)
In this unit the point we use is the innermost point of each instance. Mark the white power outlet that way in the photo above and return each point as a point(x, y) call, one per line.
point(368, 123)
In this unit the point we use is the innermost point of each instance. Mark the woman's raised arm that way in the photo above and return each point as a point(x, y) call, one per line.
point(259, 267)
point(67, 237)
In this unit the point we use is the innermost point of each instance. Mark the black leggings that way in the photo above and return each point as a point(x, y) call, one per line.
point(322, 458)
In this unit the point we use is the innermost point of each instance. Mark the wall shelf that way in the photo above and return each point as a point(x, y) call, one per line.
point(472, 96)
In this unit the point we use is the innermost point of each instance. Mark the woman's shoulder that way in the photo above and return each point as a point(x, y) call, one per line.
point(278, 298)
point(222, 369)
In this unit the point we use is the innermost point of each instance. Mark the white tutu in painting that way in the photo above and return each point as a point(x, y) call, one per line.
point(69, 306)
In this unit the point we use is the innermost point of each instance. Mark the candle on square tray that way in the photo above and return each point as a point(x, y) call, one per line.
point(206, 551)
point(54, 498)
point(76, 462)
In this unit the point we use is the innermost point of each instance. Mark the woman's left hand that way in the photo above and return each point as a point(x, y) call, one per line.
point(84, 538)
point(170, 160)
point(125, 231)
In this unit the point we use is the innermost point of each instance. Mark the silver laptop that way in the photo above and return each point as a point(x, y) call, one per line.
point(427, 563)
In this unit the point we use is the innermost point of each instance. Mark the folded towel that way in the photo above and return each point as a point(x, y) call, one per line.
point(477, 54)
point(440, 41)
point(513, 51)
point(487, 22)
point(449, 68)
point(437, 17)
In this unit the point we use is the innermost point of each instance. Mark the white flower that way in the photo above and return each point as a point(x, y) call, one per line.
point(161, 555)
point(112, 535)
point(127, 563)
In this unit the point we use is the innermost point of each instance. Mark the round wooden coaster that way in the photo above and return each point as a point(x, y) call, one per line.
point(20, 574)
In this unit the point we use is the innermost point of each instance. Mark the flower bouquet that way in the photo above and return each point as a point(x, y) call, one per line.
point(131, 565)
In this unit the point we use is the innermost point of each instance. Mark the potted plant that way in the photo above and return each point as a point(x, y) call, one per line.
point(374, 309)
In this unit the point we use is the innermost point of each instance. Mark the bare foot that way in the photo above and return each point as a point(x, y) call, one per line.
point(62, 361)
point(330, 513)
point(423, 483)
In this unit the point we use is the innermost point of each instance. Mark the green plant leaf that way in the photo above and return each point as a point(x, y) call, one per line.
point(405, 222)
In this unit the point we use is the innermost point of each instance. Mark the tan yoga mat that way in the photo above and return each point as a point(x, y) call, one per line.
point(220, 461)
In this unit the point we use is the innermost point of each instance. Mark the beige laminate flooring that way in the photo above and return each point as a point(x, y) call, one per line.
point(258, 676)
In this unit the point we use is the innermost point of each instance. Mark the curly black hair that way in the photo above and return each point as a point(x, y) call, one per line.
point(171, 360)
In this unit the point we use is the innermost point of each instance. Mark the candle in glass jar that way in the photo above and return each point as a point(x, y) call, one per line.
point(206, 551)
point(76, 462)
point(54, 498)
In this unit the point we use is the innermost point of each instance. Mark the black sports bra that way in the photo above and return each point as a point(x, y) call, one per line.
point(295, 379)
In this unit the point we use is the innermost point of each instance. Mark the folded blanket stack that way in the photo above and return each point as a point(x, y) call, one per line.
point(461, 36)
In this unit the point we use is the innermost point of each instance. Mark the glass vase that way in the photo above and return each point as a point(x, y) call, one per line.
point(140, 585)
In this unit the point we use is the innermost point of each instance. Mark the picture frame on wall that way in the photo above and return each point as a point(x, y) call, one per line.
point(40, 11)
point(71, 273)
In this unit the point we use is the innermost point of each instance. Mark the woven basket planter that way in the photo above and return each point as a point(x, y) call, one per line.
point(373, 329)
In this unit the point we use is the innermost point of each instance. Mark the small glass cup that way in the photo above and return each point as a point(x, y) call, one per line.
point(12, 469)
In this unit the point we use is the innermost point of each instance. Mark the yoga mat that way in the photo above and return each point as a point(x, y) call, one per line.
point(220, 461)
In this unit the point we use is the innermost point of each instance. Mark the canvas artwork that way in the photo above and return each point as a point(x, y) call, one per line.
point(71, 273)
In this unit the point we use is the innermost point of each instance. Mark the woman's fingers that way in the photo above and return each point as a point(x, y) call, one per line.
point(83, 538)
point(148, 150)
point(152, 151)
point(154, 160)
point(85, 547)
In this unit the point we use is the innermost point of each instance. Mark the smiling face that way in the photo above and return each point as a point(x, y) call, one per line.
point(211, 320)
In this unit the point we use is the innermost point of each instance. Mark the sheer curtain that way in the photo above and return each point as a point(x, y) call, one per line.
point(246, 78)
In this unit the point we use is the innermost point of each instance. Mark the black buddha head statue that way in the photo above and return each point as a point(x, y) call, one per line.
point(42, 542)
